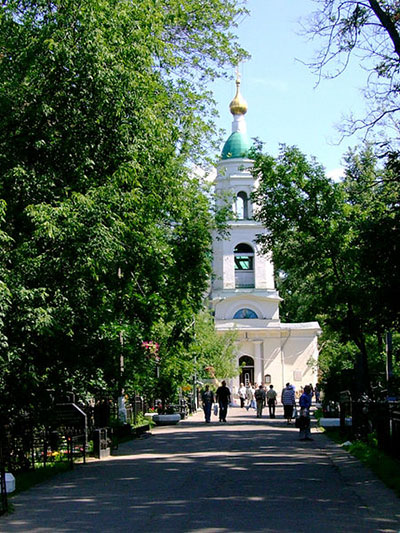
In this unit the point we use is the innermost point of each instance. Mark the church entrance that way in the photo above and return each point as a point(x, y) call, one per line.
point(246, 364)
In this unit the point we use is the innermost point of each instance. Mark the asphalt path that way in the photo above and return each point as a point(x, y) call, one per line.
point(248, 475)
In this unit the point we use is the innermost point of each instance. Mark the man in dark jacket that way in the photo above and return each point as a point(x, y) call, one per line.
point(260, 399)
point(223, 396)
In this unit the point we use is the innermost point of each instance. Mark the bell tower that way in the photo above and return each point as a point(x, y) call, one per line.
point(243, 294)
point(241, 272)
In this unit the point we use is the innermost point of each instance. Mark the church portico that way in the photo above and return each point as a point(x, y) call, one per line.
point(243, 294)
point(280, 354)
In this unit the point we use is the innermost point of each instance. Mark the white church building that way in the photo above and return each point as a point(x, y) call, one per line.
point(243, 294)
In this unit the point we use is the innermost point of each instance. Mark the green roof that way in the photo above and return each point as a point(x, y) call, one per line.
point(237, 145)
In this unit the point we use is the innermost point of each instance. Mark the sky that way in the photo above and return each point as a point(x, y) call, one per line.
point(284, 104)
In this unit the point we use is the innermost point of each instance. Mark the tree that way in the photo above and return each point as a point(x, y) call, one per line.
point(323, 244)
point(215, 354)
point(107, 235)
point(370, 32)
point(200, 352)
point(373, 191)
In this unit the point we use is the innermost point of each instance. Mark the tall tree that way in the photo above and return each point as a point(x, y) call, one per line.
point(324, 246)
point(107, 233)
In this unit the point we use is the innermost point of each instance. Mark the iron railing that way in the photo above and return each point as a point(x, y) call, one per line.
point(372, 418)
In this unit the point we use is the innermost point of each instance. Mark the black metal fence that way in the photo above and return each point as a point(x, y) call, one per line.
point(24, 447)
point(64, 437)
point(25, 443)
point(378, 419)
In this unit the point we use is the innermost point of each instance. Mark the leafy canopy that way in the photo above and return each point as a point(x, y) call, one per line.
point(106, 232)
point(327, 241)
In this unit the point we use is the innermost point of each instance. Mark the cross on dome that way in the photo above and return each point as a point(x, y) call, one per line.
point(238, 143)
point(238, 106)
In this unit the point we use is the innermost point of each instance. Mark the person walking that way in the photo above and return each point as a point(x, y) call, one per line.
point(207, 398)
point(223, 397)
point(242, 394)
point(260, 400)
point(289, 401)
point(304, 419)
point(249, 396)
point(271, 400)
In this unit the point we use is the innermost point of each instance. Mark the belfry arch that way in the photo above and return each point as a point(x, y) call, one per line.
point(244, 266)
point(242, 206)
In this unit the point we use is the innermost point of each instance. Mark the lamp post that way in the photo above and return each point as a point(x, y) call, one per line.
point(194, 399)
point(121, 399)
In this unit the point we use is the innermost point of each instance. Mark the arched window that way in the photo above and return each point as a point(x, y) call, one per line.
point(244, 255)
point(244, 267)
point(242, 206)
point(245, 313)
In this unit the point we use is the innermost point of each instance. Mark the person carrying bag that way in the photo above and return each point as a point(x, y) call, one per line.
point(303, 422)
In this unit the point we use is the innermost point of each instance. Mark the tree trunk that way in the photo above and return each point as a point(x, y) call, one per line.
point(361, 364)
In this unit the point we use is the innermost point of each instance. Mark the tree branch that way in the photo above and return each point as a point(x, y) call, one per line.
point(388, 23)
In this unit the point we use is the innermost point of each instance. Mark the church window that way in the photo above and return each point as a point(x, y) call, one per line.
point(244, 266)
point(242, 206)
point(245, 313)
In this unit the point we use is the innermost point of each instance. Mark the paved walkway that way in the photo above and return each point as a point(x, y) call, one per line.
point(248, 475)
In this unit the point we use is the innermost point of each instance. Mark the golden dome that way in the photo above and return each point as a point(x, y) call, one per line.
point(238, 106)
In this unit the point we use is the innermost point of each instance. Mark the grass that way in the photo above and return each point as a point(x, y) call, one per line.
point(384, 466)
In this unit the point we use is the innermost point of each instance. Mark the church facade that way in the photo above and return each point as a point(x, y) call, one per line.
point(243, 294)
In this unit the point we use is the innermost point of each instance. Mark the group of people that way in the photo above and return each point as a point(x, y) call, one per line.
point(258, 398)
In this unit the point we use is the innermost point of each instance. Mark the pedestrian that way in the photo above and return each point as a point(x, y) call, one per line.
point(288, 400)
point(249, 396)
point(253, 401)
point(242, 394)
point(260, 399)
point(207, 398)
point(304, 418)
point(271, 400)
point(223, 397)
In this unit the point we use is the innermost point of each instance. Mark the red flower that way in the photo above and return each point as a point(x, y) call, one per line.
point(152, 348)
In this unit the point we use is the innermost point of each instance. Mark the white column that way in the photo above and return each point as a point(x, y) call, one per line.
point(259, 361)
